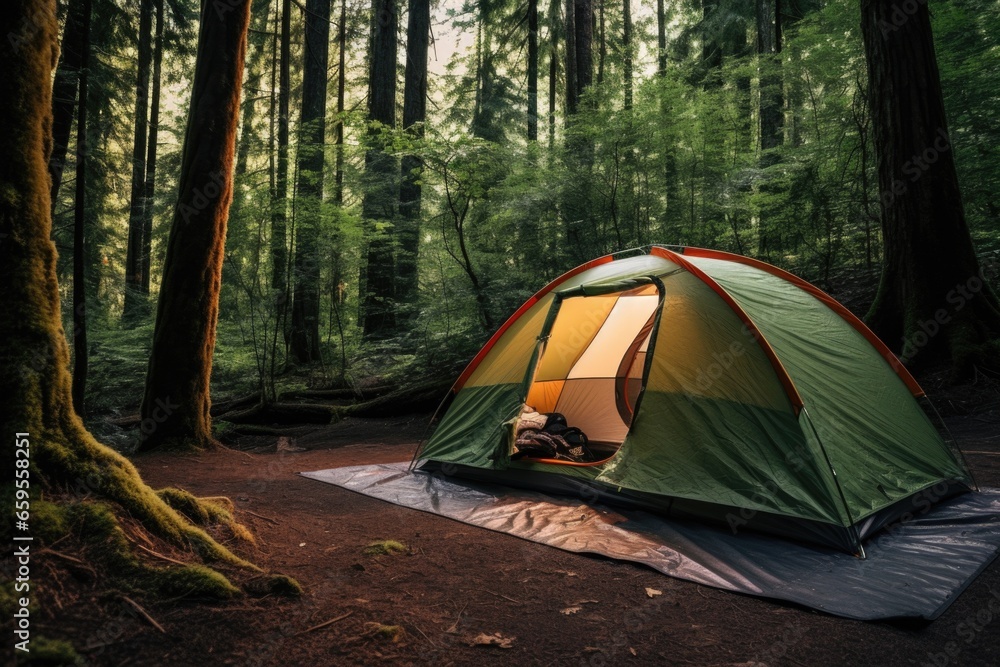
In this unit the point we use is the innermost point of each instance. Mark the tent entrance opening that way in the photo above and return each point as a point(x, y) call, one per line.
point(590, 368)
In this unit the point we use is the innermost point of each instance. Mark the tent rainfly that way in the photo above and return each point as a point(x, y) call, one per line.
point(711, 387)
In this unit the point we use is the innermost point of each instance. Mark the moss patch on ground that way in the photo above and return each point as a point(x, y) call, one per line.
point(386, 548)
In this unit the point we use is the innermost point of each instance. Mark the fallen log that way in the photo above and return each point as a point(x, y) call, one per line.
point(222, 407)
point(341, 393)
point(421, 397)
point(281, 413)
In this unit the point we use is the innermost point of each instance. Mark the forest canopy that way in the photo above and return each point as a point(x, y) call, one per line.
point(406, 174)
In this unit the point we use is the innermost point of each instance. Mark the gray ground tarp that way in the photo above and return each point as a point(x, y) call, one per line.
point(913, 571)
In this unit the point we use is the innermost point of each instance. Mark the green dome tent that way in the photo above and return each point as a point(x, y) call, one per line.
point(711, 386)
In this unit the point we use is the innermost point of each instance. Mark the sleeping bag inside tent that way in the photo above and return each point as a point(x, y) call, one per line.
point(702, 385)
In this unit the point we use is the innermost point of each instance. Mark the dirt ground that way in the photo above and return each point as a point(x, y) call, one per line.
point(428, 604)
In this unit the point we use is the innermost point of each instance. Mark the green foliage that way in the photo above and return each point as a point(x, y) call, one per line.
point(500, 216)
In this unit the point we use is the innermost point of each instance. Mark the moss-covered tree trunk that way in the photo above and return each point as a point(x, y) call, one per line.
point(34, 355)
point(175, 407)
point(932, 303)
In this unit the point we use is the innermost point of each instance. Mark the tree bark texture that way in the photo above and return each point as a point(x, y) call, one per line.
point(309, 191)
point(932, 303)
point(176, 402)
point(381, 189)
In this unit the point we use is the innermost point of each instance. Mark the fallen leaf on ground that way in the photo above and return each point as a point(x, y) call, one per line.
point(496, 639)
point(652, 592)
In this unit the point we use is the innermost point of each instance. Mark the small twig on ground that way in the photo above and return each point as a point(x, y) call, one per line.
point(261, 516)
point(161, 556)
point(454, 626)
point(142, 612)
point(417, 628)
point(326, 623)
point(52, 552)
point(499, 595)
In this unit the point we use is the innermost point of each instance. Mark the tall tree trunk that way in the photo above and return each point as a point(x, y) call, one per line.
point(134, 301)
point(771, 111)
point(154, 129)
point(177, 401)
point(711, 49)
point(34, 355)
point(553, 70)
point(932, 301)
point(571, 85)
point(627, 47)
point(279, 207)
point(661, 38)
point(377, 208)
point(309, 191)
point(602, 51)
point(577, 210)
point(79, 227)
point(532, 70)
point(414, 115)
point(341, 90)
point(583, 44)
point(673, 205)
point(64, 93)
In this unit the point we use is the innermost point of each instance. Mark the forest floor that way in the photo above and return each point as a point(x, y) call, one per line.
point(454, 582)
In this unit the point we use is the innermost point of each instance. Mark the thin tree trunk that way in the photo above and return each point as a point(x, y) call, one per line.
point(341, 88)
point(79, 228)
point(279, 208)
point(309, 191)
point(771, 111)
point(711, 50)
point(627, 47)
point(414, 115)
point(64, 93)
point(932, 302)
point(378, 307)
point(553, 70)
point(584, 45)
point(571, 86)
point(532, 70)
point(154, 128)
point(134, 301)
point(177, 401)
point(661, 38)
point(602, 52)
